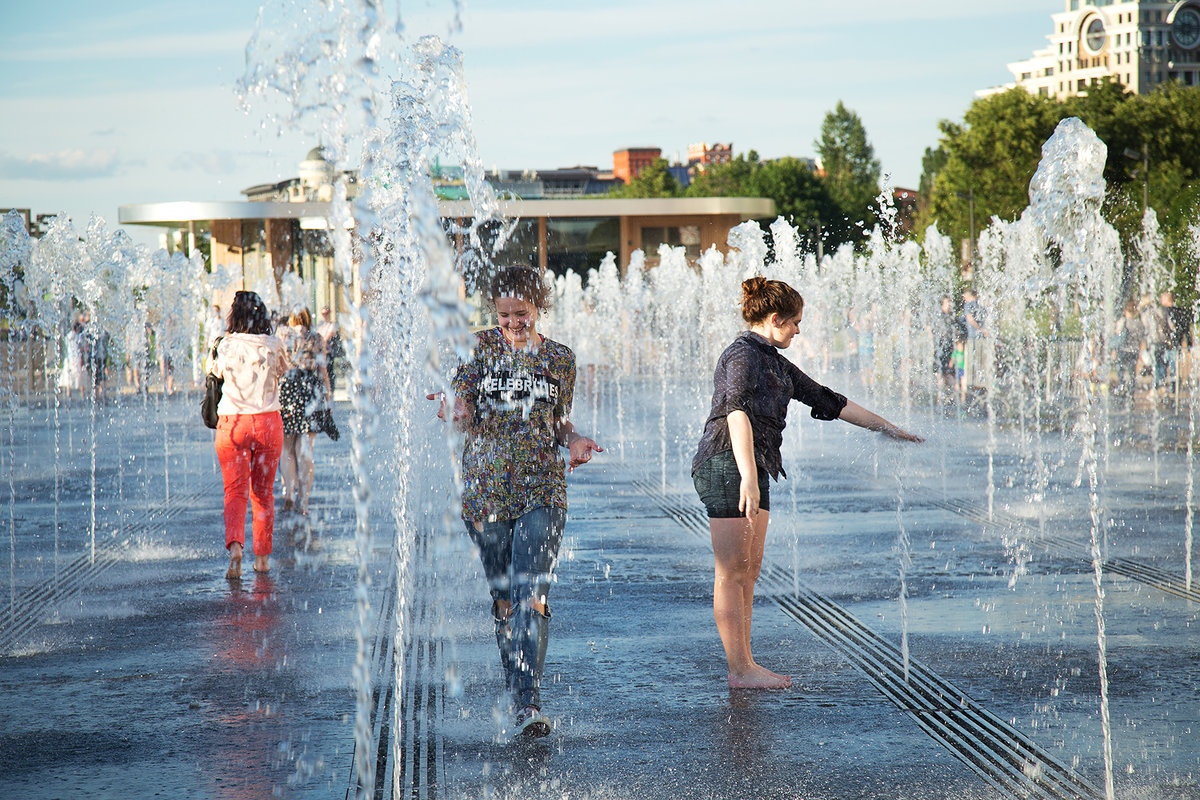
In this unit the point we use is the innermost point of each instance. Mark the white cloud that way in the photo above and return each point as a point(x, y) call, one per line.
point(212, 162)
point(63, 165)
point(154, 45)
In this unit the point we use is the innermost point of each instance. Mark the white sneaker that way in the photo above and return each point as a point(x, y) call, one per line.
point(530, 722)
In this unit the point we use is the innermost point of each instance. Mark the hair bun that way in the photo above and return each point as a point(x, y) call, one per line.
point(752, 286)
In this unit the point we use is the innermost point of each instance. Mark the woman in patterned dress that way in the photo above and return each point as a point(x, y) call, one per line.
point(303, 392)
point(513, 401)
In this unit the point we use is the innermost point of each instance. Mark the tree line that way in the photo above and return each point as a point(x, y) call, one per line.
point(833, 206)
point(988, 159)
point(981, 164)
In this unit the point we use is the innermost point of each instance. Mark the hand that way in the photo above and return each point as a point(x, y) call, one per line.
point(749, 498)
point(901, 435)
point(461, 413)
point(581, 448)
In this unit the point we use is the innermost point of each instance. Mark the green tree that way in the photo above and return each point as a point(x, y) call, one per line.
point(851, 168)
point(989, 160)
point(800, 195)
point(731, 179)
point(993, 153)
point(655, 180)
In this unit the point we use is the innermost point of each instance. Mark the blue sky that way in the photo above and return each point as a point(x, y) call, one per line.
point(112, 104)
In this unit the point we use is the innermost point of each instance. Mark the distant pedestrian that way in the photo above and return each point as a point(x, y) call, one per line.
point(1159, 335)
point(70, 374)
point(250, 430)
point(974, 321)
point(1181, 334)
point(95, 356)
point(945, 334)
point(335, 352)
point(1128, 342)
point(740, 448)
point(513, 399)
point(304, 394)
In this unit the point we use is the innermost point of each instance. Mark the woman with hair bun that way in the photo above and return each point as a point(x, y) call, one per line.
point(513, 399)
point(740, 447)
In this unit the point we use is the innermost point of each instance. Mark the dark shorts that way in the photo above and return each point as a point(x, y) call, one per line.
point(718, 483)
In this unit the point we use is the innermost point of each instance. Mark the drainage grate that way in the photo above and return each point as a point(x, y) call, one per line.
point(1000, 754)
point(407, 745)
point(1169, 582)
point(35, 604)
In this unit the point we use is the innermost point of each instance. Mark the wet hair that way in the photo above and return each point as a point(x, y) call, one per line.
point(762, 297)
point(523, 283)
point(300, 317)
point(248, 314)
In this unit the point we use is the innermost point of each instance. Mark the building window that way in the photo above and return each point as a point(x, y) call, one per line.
point(685, 236)
point(579, 245)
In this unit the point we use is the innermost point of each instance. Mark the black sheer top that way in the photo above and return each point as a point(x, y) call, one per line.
point(753, 376)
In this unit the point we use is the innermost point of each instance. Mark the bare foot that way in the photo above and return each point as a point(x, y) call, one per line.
point(260, 564)
point(757, 677)
point(235, 562)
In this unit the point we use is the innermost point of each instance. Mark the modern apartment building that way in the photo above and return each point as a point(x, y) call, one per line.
point(1140, 44)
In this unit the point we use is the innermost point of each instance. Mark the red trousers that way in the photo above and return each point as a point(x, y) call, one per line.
point(248, 447)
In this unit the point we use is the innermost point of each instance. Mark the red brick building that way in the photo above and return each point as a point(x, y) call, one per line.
point(628, 163)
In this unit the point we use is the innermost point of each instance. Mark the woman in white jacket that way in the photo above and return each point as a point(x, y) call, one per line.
point(250, 429)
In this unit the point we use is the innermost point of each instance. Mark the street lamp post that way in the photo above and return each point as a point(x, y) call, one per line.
point(969, 196)
point(1142, 155)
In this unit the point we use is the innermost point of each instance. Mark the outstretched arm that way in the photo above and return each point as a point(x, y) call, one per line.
point(857, 415)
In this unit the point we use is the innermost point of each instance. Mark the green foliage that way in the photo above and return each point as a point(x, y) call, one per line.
point(851, 168)
point(993, 153)
point(655, 180)
point(800, 195)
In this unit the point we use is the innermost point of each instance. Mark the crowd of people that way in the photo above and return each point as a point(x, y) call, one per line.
point(512, 398)
point(1143, 348)
point(87, 358)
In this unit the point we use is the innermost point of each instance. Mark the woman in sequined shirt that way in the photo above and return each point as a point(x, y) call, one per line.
point(740, 447)
point(513, 400)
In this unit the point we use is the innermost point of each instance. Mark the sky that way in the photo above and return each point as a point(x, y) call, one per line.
point(105, 105)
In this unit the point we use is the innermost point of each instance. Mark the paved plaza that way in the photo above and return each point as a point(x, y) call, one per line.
point(938, 618)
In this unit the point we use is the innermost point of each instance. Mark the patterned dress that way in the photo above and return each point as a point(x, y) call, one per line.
point(511, 462)
point(301, 391)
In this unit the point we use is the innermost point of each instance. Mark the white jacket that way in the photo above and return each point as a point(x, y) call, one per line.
point(251, 365)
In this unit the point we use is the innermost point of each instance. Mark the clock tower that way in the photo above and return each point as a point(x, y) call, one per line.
point(1139, 43)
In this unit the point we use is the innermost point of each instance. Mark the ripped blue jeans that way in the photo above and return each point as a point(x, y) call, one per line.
point(518, 558)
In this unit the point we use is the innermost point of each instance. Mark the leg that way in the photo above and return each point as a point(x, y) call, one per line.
point(263, 463)
point(494, 540)
point(738, 550)
point(536, 538)
point(304, 470)
point(235, 473)
point(287, 464)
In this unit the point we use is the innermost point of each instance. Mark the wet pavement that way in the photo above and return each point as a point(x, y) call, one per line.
point(136, 670)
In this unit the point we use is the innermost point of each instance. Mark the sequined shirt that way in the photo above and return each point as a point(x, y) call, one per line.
point(511, 462)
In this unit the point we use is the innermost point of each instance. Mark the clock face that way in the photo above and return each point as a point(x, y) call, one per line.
point(1186, 28)
point(1095, 37)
